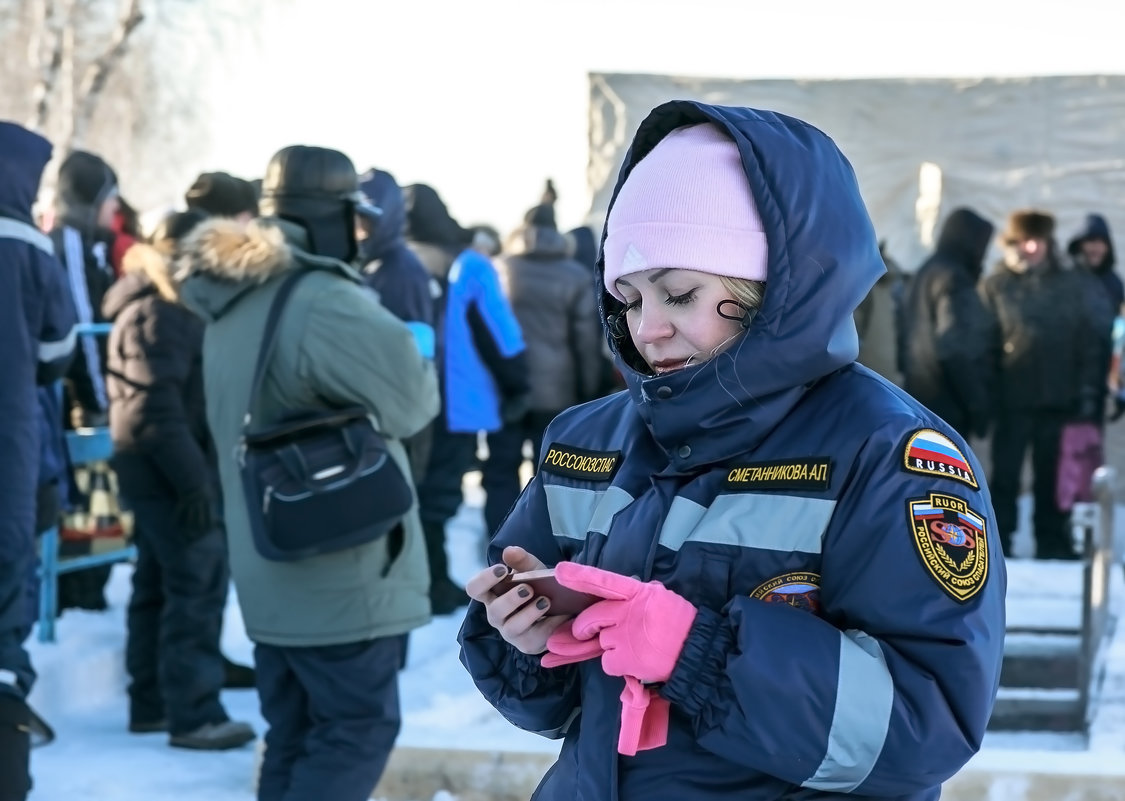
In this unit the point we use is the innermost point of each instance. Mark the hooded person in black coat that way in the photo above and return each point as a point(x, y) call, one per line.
point(168, 475)
point(1092, 251)
point(945, 329)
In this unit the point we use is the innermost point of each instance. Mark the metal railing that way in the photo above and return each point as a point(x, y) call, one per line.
point(84, 445)
point(1092, 527)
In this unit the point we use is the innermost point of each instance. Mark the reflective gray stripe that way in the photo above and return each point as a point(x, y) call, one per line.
point(576, 511)
point(864, 697)
point(49, 351)
point(682, 519)
point(76, 271)
point(14, 229)
point(8, 677)
point(750, 520)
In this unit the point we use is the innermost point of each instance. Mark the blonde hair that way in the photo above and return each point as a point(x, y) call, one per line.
point(748, 294)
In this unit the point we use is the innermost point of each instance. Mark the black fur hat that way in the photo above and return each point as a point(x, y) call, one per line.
point(1029, 224)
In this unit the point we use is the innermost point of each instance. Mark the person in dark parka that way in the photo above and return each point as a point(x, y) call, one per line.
point(1092, 250)
point(165, 464)
point(788, 597)
point(482, 365)
point(945, 330)
point(1047, 361)
point(1094, 257)
point(36, 345)
point(553, 300)
point(85, 206)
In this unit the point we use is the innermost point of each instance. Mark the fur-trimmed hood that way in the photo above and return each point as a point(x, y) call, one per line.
point(145, 271)
point(147, 261)
point(230, 251)
point(221, 260)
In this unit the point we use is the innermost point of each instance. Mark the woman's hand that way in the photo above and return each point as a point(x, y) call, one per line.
point(522, 619)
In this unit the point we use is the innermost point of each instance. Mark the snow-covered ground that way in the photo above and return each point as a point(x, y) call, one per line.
point(81, 691)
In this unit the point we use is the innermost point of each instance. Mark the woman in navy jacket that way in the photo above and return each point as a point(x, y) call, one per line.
point(796, 582)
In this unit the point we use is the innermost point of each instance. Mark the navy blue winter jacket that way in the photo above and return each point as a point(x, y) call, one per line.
point(36, 333)
point(388, 265)
point(836, 537)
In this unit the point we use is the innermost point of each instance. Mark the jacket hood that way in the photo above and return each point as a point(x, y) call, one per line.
point(390, 229)
point(823, 259)
point(1094, 227)
point(537, 242)
point(145, 270)
point(965, 237)
point(23, 157)
point(222, 260)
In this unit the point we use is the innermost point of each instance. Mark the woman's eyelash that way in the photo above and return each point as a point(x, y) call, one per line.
point(671, 300)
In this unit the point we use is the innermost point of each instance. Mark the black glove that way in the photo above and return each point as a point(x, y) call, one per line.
point(195, 514)
point(15, 748)
point(1088, 409)
point(514, 408)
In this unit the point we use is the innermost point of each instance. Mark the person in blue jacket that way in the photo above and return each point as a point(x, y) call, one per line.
point(795, 583)
point(37, 339)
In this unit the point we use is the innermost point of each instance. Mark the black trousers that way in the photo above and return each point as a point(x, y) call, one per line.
point(439, 493)
point(175, 620)
point(333, 714)
point(1014, 433)
point(500, 475)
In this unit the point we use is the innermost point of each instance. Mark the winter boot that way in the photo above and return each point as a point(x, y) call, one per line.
point(237, 676)
point(215, 736)
point(15, 748)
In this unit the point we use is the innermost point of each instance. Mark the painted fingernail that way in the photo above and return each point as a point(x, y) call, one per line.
point(542, 603)
point(499, 570)
point(523, 592)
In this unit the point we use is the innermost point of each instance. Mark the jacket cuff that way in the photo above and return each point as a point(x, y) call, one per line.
point(702, 663)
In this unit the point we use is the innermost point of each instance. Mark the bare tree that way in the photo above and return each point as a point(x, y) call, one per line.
point(53, 56)
point(97, 72)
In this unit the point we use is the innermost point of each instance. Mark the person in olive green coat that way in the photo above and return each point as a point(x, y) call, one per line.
point(330, 629)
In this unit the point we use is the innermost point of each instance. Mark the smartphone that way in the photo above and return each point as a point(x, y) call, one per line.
point(564, 601)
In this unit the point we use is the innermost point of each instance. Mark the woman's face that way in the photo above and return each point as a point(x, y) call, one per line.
point(673, 319)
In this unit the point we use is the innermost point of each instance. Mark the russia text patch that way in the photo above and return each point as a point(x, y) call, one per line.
point(934, 454)
point(798, 474)
point(952, 541)
point(566, 460)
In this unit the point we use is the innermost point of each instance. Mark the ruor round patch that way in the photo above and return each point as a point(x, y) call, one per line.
point(801, 590)
point(952, 542)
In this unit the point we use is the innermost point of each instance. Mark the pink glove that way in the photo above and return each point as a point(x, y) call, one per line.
point(563, 648)
point(644, 719)
point(640, 626)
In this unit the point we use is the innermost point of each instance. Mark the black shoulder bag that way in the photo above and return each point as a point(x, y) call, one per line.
point(320, 480)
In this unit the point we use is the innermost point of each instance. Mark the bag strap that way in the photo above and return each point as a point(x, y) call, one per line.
point(269, 338)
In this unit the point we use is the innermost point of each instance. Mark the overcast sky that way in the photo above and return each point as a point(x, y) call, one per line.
point(485, 99)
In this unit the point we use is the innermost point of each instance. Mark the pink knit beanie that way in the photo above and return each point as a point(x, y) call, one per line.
point(686, 205)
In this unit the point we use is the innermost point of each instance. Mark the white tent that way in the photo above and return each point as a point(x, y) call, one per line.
point(920, 147)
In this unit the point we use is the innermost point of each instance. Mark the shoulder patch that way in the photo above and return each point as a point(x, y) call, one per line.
point(931, 453)
point(567, 460)
point(952, 542)
point(801, 590)
point(808, 474)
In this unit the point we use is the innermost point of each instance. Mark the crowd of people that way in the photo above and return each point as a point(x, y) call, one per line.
point(711, 465)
